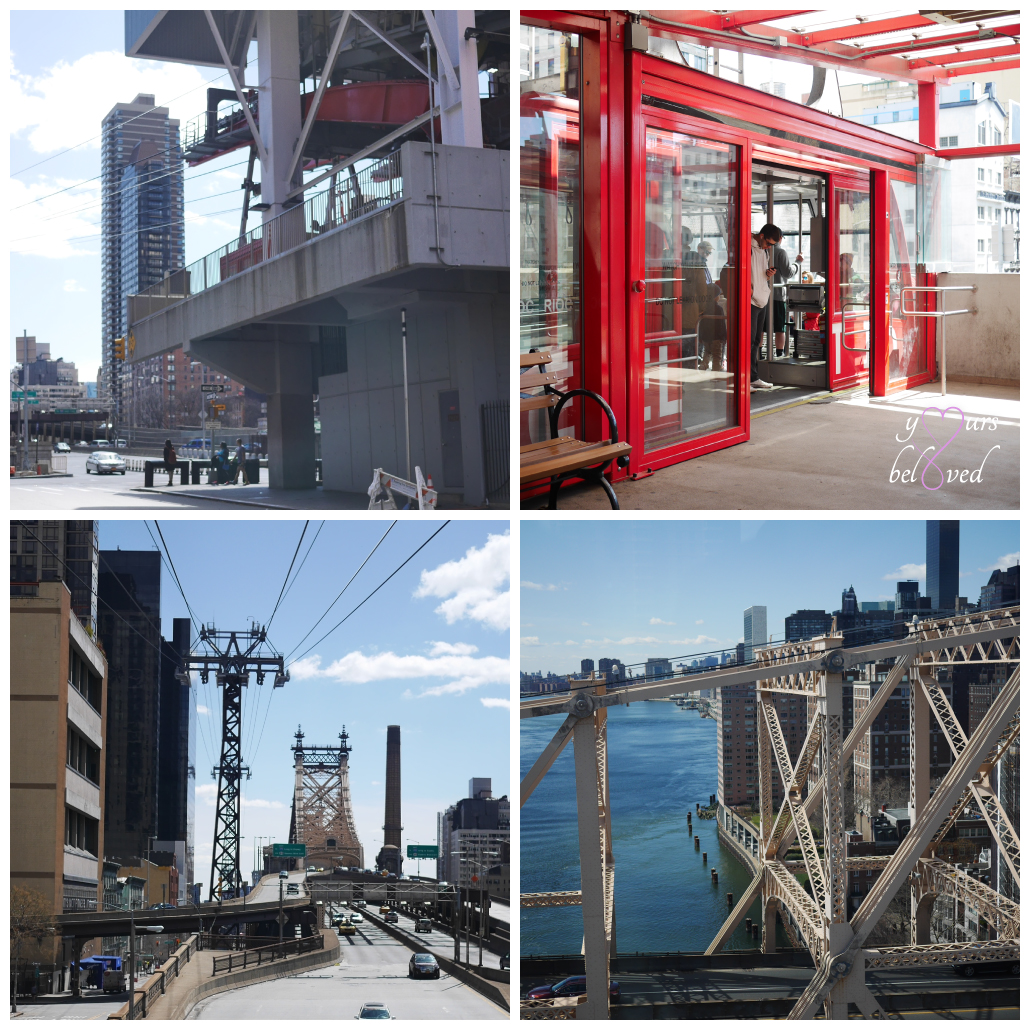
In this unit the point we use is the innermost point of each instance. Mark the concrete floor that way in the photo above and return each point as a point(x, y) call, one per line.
point(842, 451)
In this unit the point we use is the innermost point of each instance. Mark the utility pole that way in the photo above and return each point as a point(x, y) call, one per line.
point(232, 656)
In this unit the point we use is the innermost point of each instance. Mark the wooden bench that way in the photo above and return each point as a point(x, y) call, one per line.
point(562, 458)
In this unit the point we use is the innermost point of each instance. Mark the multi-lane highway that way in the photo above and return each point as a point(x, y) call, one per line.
point(373, 967)
point(908, 989)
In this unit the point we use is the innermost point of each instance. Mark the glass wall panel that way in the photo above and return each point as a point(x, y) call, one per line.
point(855, 263)
point(549, 214)
point(690, 324)
point(907, 352)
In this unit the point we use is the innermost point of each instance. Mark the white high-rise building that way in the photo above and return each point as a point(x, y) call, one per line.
point(755, 632)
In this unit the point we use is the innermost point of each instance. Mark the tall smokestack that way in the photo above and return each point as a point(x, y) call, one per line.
point(390, 856)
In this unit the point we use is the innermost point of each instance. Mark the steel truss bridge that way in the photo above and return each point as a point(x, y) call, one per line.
point(818, 921)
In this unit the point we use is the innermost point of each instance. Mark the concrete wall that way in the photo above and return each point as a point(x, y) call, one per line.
point(454, 343)
point(983, 347)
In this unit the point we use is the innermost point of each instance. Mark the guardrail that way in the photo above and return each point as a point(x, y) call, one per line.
point(941, 316)
point(346, 201)
point(143, 997)
point(269, 953)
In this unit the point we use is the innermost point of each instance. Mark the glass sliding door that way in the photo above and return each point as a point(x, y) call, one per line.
point(851, 340)
point(549, 214)
point(689, 240)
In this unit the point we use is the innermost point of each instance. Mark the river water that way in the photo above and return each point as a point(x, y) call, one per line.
point(662, 761)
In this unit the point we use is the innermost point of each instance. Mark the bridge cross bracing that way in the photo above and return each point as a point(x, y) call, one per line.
point(818, 921)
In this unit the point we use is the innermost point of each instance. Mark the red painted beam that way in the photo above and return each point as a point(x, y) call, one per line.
point(911, 46)
point(986, 54)
point(869, 28)
point(976, 69)
point(726, 22)
point(1002, 150)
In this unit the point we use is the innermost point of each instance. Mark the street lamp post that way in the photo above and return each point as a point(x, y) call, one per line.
point(283, 874)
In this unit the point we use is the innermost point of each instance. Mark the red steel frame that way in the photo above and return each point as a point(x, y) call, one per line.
point(612, 142)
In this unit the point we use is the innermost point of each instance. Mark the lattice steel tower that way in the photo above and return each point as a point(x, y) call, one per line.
point(232, 656)
point(322, 815)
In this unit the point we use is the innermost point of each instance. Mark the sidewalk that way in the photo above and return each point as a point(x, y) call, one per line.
point(263, 496)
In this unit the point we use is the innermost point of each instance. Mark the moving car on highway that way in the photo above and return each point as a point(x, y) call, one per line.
point(105, 461)
point(981, 968)
point(374, 1010)
point(390, 917)
point(357, 917)
point(570, 987)
point(422, 964)
point(423, 925)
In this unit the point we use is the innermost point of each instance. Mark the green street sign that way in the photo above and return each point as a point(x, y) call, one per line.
point(423, 851)
point(289, 851)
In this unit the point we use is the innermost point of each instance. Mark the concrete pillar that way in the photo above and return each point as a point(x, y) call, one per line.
point(291, 441)
point(279, 120)
point(460, 123)
point(922, 911)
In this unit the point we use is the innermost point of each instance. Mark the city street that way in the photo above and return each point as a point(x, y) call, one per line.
point(115, 492)
point(373, 967)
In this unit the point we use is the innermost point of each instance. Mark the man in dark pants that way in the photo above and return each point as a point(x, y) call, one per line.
point(761, 284)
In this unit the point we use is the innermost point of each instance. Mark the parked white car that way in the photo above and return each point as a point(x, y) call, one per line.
point(105, 461)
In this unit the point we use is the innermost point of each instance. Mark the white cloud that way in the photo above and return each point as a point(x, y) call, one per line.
point(440, 647)
point(626, 641)
point(201, 710)
point(474, 586)
point(207, 792)
point(261, 803)
point(60, 106)
point(699, 622)
point(529, 641)
point(570, 643)
point(72, 286)
point(695, 641)
point(496, 702)
point(537, 586)
point(908, 571)
point(661, 622)
point(42, 225)
point(1006, 561)
point(462, 671)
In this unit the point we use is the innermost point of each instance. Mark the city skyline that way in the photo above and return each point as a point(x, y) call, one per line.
point(428, 652)
point(746, 563)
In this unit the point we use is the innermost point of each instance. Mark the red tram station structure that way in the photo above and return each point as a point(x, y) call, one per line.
point(642, 180)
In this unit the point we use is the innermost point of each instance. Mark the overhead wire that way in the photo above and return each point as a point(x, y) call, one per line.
point(377, 589)
point(120, 125)
point(342, 592)
point(278, 600)
point(300, 568)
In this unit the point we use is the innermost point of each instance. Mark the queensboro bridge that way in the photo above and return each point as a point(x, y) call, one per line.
point(322, 817)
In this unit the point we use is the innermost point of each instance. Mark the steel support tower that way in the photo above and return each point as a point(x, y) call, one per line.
point(323, 819)
point(818, 921)
point(232, 656)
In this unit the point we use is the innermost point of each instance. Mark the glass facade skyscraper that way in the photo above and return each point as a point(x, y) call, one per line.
point(130, 631)
point(142, 235)
point(942, 562)
point(755, 632)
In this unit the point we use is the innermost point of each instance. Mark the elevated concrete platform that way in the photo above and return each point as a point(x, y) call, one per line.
point(324, 319)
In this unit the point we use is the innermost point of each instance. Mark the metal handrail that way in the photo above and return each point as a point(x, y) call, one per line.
point(942, 315)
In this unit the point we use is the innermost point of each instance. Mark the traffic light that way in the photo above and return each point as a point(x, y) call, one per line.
point(119, 348)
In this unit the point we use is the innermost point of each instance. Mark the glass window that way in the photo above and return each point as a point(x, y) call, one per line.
point(854, 258)
point(907, 355)
point(549, 215)
point(690, 331)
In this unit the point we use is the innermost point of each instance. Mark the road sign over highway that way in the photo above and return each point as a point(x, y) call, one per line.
point(423, 851)
point(289, 850)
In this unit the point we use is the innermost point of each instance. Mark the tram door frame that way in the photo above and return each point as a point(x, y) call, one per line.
point(646, 116)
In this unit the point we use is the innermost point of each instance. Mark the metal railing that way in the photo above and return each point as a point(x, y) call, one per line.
point(346, 201)
point(941, 315)
point(269, 953)
point(143, 997)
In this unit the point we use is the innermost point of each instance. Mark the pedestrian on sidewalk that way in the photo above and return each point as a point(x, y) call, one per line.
point(170, 459)
point(241, 459)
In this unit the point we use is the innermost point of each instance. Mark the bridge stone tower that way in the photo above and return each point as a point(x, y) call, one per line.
point(322, 814)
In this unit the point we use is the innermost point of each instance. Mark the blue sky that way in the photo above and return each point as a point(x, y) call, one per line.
point(429, 652)
point(68, 70)
point(643, 589)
